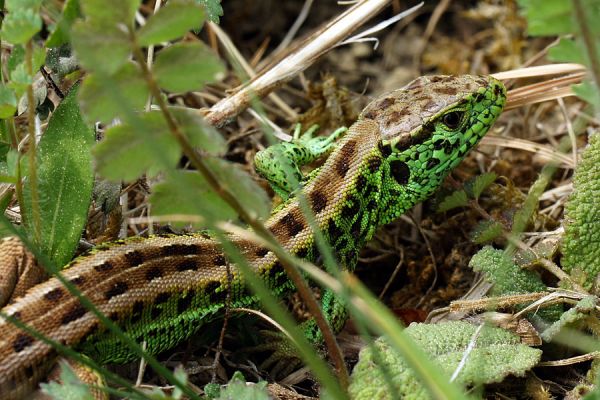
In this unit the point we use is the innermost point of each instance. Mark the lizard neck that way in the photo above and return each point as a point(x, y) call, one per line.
point(343, 197)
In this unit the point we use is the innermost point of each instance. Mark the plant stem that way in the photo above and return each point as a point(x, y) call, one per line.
point(35, 223)
point(286, 260)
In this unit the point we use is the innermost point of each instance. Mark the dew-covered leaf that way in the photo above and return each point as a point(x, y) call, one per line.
point(481, 182)
point(213, 9)
point(64, 181)
point(20, 25)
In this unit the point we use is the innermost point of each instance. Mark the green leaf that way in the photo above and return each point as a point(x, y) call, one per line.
point(568, 50)
point(213, 9)
point(104, 99)
point(64, 181)
point(589, 92)
point(19, 80)
point(17, 56)
point(110, 13)
point(456, 199)
point(8, 102)
point(186, 66)
point(99, 47)
point(481, 182)
point(69, 388)
point(128, 151)
point(495, 354)
point(62, 31)
point(187, 193)
point(486, 231)
point(198, 132)
point(237, 388)
point(580, 244)
point(20, 25)
point(23, 4)
point(548, 17)
point(171, 22)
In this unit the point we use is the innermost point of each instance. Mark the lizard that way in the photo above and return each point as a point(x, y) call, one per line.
point(162, 289)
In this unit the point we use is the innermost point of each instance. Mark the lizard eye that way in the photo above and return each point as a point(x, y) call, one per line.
point(453, 119)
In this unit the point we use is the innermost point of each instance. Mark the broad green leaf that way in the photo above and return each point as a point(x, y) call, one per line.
point(62, 31)
point(237, 388)
point(20, 25)
point(581, 241)
point(64, 181)
point(186, 66)
point(171, 22)
point(199, 133)
point(110, 13)
point(456, 199)
point(100, 48)
point(495, 354)
point(8, 102)
point(19, 80)
point(128, 151)
point(104, 99)
point(213, 9)
point(17, 56)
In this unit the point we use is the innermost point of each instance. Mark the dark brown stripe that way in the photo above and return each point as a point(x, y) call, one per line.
point(318, 200)
point(75, 313)
point(105, 266)
point(21, 342)
point(344, 157)
point(134, 258)
point(117, 289)
point(54, 294)
point(153, 273)
point(186, 265)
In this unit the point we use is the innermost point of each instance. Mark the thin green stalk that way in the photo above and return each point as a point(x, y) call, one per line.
point(232, 201)
point(36, 221)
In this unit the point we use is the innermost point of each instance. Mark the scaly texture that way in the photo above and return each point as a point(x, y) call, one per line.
point(162, 289)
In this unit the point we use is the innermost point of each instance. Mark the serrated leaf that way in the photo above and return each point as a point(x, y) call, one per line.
point(213, 9)
point(8, 102)
point(69, 388)
point(171, 22)
point(128, 151)
point(481, 183)
point(568, 50)
point(495, 354)
point(237, 388)
point(20, 25)
point(62, 31)
point(104, 99)
point(588, 92)
point(110, 13)
point(548, 17)
point(456, 199)
point(186, 66)
point(100, 48)
point(19, 80)
point(21, 4)
point(199, 133)
point(486, 231)
point(187, 193)
point(64, 181)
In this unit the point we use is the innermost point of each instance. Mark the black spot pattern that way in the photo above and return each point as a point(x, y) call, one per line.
point(400, 171)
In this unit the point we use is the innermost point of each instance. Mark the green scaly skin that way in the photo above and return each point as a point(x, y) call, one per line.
point(162, 289)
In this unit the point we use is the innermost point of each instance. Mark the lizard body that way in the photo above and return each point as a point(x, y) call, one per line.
point(161, 289)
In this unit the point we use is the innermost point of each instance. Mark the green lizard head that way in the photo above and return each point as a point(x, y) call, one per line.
point(426, 129)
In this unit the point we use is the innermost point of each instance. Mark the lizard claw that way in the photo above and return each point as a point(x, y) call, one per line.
point(283, 359)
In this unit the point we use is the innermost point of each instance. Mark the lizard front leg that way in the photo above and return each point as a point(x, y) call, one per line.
point(280, 164)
